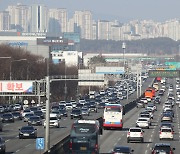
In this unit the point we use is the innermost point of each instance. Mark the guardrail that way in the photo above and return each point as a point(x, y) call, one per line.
point(63, 144)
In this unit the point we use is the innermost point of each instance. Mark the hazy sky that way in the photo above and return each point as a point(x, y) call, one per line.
point(122, 10)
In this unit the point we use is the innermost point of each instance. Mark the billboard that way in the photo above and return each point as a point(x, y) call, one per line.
point(109, 70)
point(164, 73)
point(16, 86)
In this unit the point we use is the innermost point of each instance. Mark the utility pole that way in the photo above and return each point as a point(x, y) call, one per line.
point(47, 132)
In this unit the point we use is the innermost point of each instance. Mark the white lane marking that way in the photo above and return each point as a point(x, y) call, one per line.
point(27, 145)
point(122, 134)
point(145, 151)
point(119, 139)
point(6, 124)
point(17, 150)
point(148, 146)
point(7, 140)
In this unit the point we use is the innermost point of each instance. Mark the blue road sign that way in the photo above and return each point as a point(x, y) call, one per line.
point(40, 143)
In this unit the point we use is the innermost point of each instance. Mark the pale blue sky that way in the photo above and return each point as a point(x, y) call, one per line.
point(122, 10)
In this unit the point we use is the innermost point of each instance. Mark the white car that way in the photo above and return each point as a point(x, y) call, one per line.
point(143, 123)
point(177, 101)
point(166, 133)
point(135, 134)
point(53, 121)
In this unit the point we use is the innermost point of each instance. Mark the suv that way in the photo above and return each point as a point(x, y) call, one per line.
point(53, 121)
point(166, 133)
point(162, 148)
point(135, 134)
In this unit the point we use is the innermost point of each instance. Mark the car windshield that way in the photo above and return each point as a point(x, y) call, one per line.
point(162, 148)
point(53, 118)
point(7, 115)
point(29, 115)
point(34, 118)
point(108, 109)
point(16, 113)
point(76, 111)
point(27, 128)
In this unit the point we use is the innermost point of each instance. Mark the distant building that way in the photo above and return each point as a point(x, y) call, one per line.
point(39, 18)
point(4, 21)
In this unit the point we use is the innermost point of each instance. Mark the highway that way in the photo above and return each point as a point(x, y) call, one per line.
point(112, 138)
point(28, 146)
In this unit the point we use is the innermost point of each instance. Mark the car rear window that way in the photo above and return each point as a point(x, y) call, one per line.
point(163, 148)
point(84, 129)
point(135, 130)
point(166, 130)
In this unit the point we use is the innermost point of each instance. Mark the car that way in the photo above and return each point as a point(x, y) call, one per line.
point(122, 149)
point(7, 117)
point(27, 132)
point(93, 108)
point(164, 148)
point(85, 112)
point(177, 101)
point(1, 109)
point(140, 104)
point(166, 125)
point(143, 123)
point(57, 112)
point(135, 134)
point(26, 111)
point(76, 113)
point(35, 120)
point(53, 121)
point(17, 115)
point(63, 112)
point(166, 117)
point(39, 113)
point(2, 146)
point(166, 133)
point(27, 116)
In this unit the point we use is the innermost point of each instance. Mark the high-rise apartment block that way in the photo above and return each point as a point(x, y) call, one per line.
point(39, 18)
point(4, 21)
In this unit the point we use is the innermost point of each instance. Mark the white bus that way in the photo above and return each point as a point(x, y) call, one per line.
point(113, 116)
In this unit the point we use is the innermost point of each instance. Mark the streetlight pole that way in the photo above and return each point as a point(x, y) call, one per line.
point(124, 47)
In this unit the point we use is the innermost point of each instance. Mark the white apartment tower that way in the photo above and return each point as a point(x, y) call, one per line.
point(39, 18)
point(83, 23)
point(103, 30)
point(58, 16)
point(4, 20)
point(19, 17)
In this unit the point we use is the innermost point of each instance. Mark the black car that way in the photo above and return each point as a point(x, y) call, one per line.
point(162, 148)
point(93, 108)
point(7, 117)
point(2, 146)
point(17, 115)
point(63, 112)
point(122, 149)
point(27, 132)
point(39, 113)
point(76, 113)
point(35, 120)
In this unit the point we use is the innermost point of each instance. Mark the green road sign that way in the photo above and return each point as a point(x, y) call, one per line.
point(173, 64)
point(164, 73)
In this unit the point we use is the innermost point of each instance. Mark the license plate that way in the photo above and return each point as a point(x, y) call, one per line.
point(26, 134)
point(83, 148)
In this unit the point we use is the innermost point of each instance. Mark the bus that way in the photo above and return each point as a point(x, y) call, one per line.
point(84, 137)
point(113, 116)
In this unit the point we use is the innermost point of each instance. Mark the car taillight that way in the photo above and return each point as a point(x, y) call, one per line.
point(96, 147)
point(141, 134)
point(103, 120)
point(160, 132)
point(172, 132)
point(153, 152)
point(171, 152)
point(128, 133)
point(70, 145)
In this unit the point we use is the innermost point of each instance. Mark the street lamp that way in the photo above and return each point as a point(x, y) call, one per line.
point(124, 47)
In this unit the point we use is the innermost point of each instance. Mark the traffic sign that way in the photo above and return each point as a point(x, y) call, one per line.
point(40, 143)
point(164, 73)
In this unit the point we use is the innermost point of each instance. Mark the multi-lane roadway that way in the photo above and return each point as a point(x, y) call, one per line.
point(28, 146)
